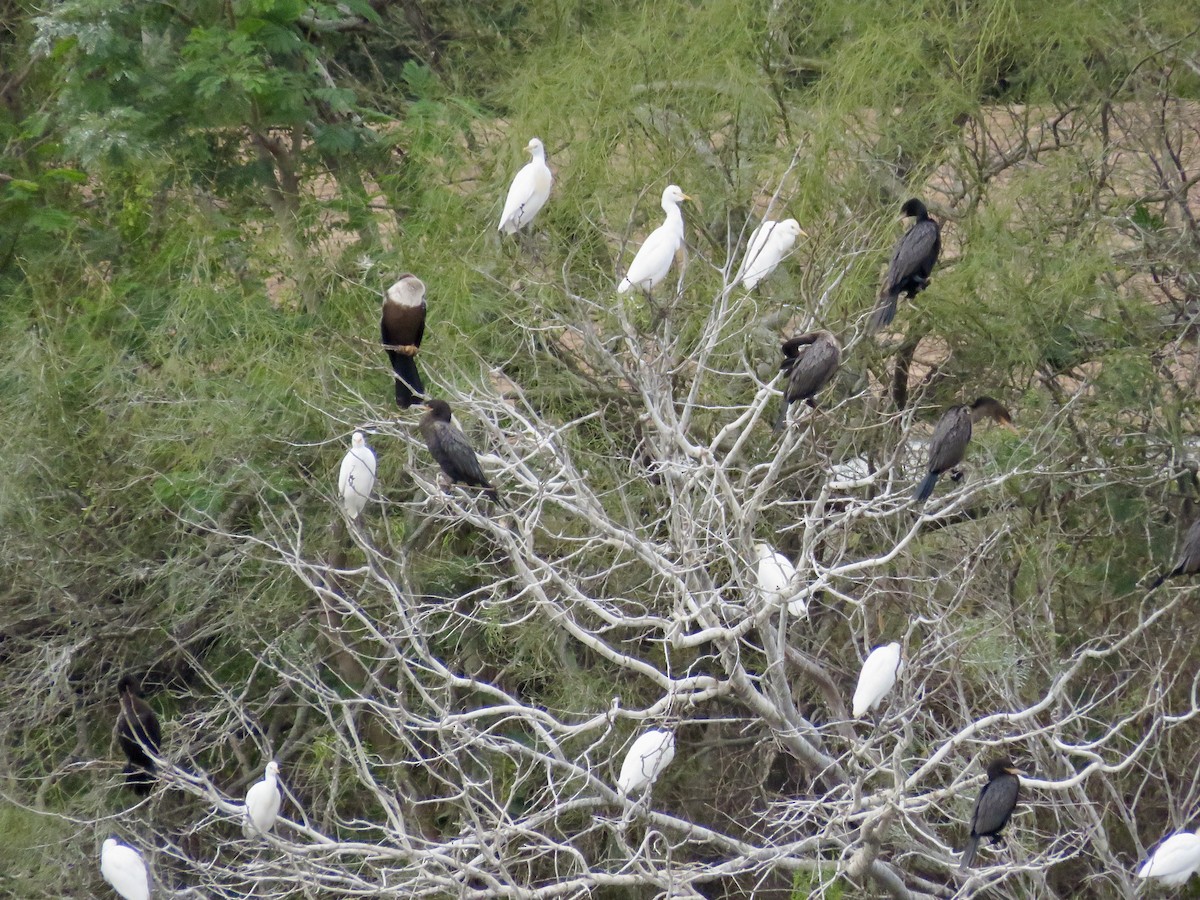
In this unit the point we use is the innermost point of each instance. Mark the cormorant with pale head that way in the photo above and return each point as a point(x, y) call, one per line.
point(951, 436)
point(912, 262)
point(811, 360)
point(1189, 556)
point(449, 447)
point(995, 804)
point(139, 735)
point(401, 327)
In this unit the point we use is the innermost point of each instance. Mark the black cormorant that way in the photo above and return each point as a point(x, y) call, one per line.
point(139, 735)
point(951, 436)
point(1189, 556)
point(401, 326)
point(449, 447)
point(995, 804)
point(810, 360)
point(912, 262)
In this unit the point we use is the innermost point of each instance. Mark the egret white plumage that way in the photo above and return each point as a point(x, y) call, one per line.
point(529, 191)
point(124, 868)
point(650, 754)
point(1174, 860)
point(769, 244)
point(653, 259)
point(356, 478)
point(877, 678)
point(775, 576)
point(262, 803)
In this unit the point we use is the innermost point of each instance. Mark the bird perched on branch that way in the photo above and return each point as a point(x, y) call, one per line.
point(356, 477)
point(912, 262)
point(449, 447)
point(529, 191)
point(995, 804)
point(650, 754)
point(139, 735)
point(401, 327)
point(776, 576)
point(951, 436)
point(769, 244)
point(878, 676)
point(123, 868)
point(262, 803)
point(1189, 556)
point(810, 360)
point(1173, 861)
point(653, 259)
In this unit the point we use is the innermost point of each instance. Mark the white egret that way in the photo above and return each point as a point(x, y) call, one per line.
point(124, 868)
point(653, 259)
point(1174, 860)
point(529, 191)
point(262, 803)
point(878, 676)
point(769, 244)
point(356, 478)
point(645, 761)
point(776, 576)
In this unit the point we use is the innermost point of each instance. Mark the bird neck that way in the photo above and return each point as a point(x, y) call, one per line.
point(674, 215)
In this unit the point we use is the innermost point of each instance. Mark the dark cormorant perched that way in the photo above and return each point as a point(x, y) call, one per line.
point(401, 327)
point(951, 436)
point(1189, 556)
point(810, 360)
point(995, 804)
point(449, 447)
point(138, 734)
point(912, 262)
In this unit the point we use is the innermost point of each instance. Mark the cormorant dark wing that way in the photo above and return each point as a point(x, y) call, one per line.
point(995, 804)
point(913, 259)
point(455, 455)
point(812, 369)
point(1189, 552)
point(398, 327)
point(950, 439)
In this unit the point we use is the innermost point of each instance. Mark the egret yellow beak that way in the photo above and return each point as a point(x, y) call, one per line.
point(686, 197)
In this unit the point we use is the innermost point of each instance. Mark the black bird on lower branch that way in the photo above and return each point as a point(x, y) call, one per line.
point(951, 436)
point(449, 447)
point(811, 360)
point(139, 735)
point(1189, 556)
point(912, 262)
point(995, 804)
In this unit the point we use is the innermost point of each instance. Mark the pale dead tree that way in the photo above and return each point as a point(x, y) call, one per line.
point(459, 680)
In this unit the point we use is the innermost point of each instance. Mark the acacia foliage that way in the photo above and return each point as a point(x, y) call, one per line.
point(204, 207)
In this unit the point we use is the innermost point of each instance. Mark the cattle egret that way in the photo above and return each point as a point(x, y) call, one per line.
point(650, 754)
point(776, 576)
point(262, 803)
point(878, 676)
point(653, 259)
point(529, 191)
point(124, 868)
point(1174, 860)
point(769, 244)
point(356, 478)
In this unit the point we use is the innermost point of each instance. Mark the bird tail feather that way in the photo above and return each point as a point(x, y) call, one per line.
point(409, 387)
point(886, 312)
point(925, 488)
point(782, 420)
point(968, 857)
